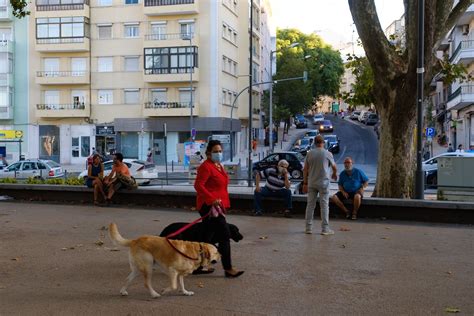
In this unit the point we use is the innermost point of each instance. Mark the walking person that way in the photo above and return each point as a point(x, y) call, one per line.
point(149, 156)
point(450, 148)
point(316, 179)
point(211, 187)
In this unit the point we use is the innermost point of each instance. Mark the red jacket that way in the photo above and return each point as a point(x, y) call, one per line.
point(211, 184)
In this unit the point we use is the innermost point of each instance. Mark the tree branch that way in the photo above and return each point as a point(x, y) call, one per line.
point(453, 17)
point(383, 58)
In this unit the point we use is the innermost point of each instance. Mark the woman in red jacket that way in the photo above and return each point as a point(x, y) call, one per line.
point(211, 187)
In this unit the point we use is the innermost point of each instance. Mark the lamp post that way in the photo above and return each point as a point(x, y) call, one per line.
point(189, 36)
point(270, 119)
point(420, 70)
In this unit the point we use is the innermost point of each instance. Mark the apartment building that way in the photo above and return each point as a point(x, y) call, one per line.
point(111, 74)
point(459, 115)
point(14, 128)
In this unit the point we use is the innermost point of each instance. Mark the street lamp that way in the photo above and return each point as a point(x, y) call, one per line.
point(270, 119)
point(188, 37)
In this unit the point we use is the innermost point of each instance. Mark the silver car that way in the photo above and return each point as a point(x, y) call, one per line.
point(35, 168)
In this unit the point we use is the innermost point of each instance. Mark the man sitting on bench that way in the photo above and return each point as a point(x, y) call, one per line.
point(352, 182)
point(278, 185)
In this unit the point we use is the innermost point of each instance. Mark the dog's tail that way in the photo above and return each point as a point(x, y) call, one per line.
point(116, 237)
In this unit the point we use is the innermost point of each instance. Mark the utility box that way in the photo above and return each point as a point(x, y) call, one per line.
point(456, 178)
point(233, 171)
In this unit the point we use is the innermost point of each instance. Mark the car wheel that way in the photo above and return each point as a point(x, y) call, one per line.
point(296, 174)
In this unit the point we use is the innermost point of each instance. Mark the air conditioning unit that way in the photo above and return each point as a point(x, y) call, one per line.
point(465, 29)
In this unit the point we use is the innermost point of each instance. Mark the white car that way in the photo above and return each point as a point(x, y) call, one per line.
point(432, 163)
point(141, 170)
point(318, 118)
point(35, 168)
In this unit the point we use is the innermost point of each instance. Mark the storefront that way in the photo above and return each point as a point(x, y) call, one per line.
point(105, 139)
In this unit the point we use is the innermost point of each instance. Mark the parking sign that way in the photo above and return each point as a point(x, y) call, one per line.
point(430, 132)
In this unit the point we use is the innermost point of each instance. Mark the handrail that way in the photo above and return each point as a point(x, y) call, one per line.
point(167, 105)
point(462, 45)
point(168, 36)
point(153, 3)
point(61, 40)
point(61, 73)
point(59, 107)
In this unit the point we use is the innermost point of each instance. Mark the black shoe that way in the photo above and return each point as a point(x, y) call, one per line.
point(236, 275)
point(201, 271)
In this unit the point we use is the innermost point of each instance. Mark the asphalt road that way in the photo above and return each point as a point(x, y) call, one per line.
point(52, 263)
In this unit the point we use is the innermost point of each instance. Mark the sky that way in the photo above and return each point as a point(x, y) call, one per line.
point(331, 19)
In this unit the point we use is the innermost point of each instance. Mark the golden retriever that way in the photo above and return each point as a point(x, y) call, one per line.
point(146, 250)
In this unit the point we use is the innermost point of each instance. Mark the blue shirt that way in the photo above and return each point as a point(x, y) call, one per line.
point(353, 182)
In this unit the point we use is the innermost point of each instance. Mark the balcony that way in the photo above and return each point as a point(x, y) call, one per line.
point(62, 77)
point(63, 110)
point(48, 8)
point(169, 40)
point(170, 7)
point(171, 74)
point(6, 80)
point(169, 109)
point(6, 46)
point(462, 97)
point(464, 53)
point(63, 44)
point(6, 112)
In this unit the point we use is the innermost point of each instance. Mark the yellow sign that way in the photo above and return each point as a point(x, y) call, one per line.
point(11, 134)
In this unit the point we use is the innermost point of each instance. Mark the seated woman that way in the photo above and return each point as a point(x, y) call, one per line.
point(95, 174)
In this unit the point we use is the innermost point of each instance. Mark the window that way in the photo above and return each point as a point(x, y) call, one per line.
point(131, 96)
point(170, 60)
point(105, 31)
point(131, 30)
point(186, 29)
point(131, 63)
point(158, 96)
point(51, 66)
point(64, 27)
point(105, 64)
point(105, 96)
point(185, 96)
point(104, 3)
point(78, 66)
point(6, 63)
point(51, 97)
point(158, 31)
point(131, 1)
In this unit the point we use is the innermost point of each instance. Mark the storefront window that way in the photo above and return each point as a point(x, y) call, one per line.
point(129, 145)
point(85, 146)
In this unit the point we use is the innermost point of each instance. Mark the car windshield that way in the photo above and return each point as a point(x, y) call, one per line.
point(299, 156)
point(373, 116)
point(331, 139)
point(52, 164)
point(312, 133)
point(326, 122)
point(304, 142)
point(319, 116)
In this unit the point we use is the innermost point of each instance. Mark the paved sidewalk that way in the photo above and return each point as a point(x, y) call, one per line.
point(53, 263)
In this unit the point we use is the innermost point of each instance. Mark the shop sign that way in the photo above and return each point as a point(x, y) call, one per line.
point(10, 134)
point(102, 130)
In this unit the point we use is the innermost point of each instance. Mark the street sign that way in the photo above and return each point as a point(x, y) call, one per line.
point(10, 134)
point(193, 132)
point(430, 132)
point(224, 139)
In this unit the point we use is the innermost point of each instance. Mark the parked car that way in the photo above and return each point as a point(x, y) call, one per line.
point(141, 170)
point(372, 119)
point(355, 115)
point(312, 133)
point(325, 126)
point(294, 159)
point(35, 168)
point(303, 145)
point(432, 163)
point(332, 143)
point(363, 116)
point(301, 122)
point(318, 118)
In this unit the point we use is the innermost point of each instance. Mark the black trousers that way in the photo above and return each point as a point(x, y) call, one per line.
point(216, 229)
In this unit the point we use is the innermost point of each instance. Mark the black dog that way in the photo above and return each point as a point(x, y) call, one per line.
point(196, 233)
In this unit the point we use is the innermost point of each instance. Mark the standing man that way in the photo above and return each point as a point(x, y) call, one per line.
point(352, 182)
point(316, 180)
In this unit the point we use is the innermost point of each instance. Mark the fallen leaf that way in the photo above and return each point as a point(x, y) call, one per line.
point(200, 284)
point(72, 248)
point(75, 227)
point(449, 272)
point(388, 228)
point(343, 246)
point(156, 220)
point(344, 229)
point(114, 249)
point(452, 310)
point(63, 249)
point(79, 245)
point(275, 250)
point(385, 238)
point(263, 237)
point(15, 259)
point(103, 228)
point(99, 243)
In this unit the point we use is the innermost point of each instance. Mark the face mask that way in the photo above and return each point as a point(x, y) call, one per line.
point(216, 157)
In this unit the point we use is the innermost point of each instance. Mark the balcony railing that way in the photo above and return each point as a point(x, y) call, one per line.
point(171, 70)
point(60, 40)
point(167, 105)
point(461, 46)
point(153, 3)
point(466, 89)
point(53, 74)
point(4, 14)
point(71, 5)
point(169, 36)
point(59, 107)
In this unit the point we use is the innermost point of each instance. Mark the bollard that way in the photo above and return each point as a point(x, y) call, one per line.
point(172, 165)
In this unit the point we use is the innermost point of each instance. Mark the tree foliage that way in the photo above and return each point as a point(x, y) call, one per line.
point(19, 8)
point(324, 66)
point(362, 92)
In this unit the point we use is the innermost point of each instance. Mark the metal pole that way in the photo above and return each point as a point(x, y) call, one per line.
point(270, 119)
point(193, 57)
point(419, 187)
point(231, 138)
point(249, 166)
point(166, 154)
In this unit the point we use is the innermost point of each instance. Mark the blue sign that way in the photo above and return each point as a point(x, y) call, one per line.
point(430, 131)
point(193, 132)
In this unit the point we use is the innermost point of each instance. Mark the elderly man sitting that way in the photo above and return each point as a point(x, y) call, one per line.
point(278, 185)
point(352, 182)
